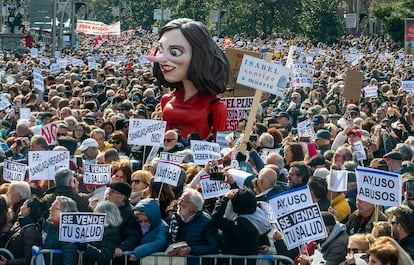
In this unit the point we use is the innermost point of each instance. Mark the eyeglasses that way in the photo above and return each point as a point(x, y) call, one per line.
point(354, 250)
point(136, 181)
point(111, 191)
point(169, 140)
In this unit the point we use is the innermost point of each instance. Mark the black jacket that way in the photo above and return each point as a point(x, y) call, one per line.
point(50, 195)
point(102, 251)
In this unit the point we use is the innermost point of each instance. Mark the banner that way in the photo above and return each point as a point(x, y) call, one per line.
point(302, 75)
point(204, 151)
point(43, 164)
point(371, 91)
point(408, 85)
point(81, 227)
point(378, 187)
point(169, 169)
point(97, 28)
point(25, 113)
point(302, 225)
point(13, 171)
point(97, 174)
point(4, 102)
point(409, 35)
point(262, 75)
point(146, 132)
point(290, 200)
point(49, 132)
point(237, 108)
point(213, 188)
point(38, 79)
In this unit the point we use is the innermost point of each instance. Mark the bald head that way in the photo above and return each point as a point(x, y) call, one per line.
point(266, 179)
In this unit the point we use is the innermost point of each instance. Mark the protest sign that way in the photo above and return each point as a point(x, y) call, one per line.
point(97, 174)
point(359, 151)
point(239, 176)
point(408, 85)
point(4, 102)
point(169, 169)
point(305, 129)
point(237, 108)
point(290, 200)
point(266, 151)
point(54, 68)
point(302, 75)
point(97, 28)
point(146, 132)
point(204, 151)
point(34, 52)
point(43, 164)
point(263, 75)
point(25, 113)
point(213, 188)
point(353, 84)
point(38, 79)
point(13, 171)
point(337, 180)
point(378, 187)
point(81, 227)
point(49, 132)
point(302, 225)
point(371, 91)
point(221, 139)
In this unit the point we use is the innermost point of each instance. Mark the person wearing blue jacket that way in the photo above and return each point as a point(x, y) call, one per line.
point(154, 230)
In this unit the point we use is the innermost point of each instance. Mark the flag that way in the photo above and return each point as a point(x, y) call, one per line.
point(338, 180)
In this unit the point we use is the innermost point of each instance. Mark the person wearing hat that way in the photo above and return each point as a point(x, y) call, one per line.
point(316, 162)
point(318, 122)
point(89, 149)
point(283, 118)
point(130, 229)
point(245, 232)
point(394, 161)
point(323, 141)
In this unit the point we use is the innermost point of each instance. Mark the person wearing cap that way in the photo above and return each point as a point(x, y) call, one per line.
point(89, 149)
point(130, 229)
point(316, 162)
point(394, 161)
point(283, 118)
point(66, 185)
point(318, 122)
point(323, 141)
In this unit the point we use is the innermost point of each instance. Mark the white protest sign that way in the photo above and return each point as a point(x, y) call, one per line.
point(97, 174)
point(169, 169)
point(359, 151)
point(305, 129)
point(302, 225)
point(49, 132)
point(266, 151)
point(93, 65)
point(4, 102)
point(239, 176)
point(337, 180)
point(43, 164)
point(146, 132)
point(289, 200)
point(13, 171)
point(25, 113)
point(371, 91)
point(262, 75)
point(34, 52)
point(221, 139)
point(408, 85)
point(302, 75)
point(81, 227)
point(204, 151)
point(38, 79)
point(237, 108)
point(213, 188)
point(54, 68)
point(152, 154)
point(378, 187)
point(45, 61)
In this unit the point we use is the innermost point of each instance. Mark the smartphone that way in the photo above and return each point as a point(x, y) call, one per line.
point(304, 139)
point(79, 162)
point(216, 176)
point(294, 131)
point(253, 138)
point(18, 142)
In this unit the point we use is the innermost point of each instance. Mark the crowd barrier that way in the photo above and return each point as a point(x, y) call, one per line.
point(6, 253)
point(159, 258)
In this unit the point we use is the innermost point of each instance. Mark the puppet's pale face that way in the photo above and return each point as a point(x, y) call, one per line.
point(174, 56)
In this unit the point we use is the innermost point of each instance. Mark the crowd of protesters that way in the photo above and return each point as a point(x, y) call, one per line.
point(92, 108)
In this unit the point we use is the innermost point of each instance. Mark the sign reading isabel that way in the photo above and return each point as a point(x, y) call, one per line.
point(262, 75)
point(146, 132)
point(43, 164)
point(97, 174)
point(302, 225)
point(213, 188)
point(204, 151)
point(169, 169)
point(81, 227)
point(289, 200)
point(378, 187)
point(13, 171)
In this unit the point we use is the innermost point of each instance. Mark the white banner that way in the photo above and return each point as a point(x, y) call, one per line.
point(239, 176)
point(337, 180)
point(169, 169)
point(97, 174)
point(81, 227)
point(97, 28)
point(146, 132)
point(359, 151)
point(25, 113)
point(237, 108)
point(54, 68)
point(49, 132)
point(302, 225)
point(204, 151)
point(213, 188)
point(379, 187)
point(13, 171)
point(4, 102)
point(43, 164)
point(371, 91)
point(262, 75)
point(38, 79)
point(408, 85)
point(290, 200)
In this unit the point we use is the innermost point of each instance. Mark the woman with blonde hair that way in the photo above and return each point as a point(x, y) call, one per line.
point(140, 180)
point(357, 244)
point(403, 257)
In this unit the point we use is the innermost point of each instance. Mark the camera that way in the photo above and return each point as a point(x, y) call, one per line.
point(18, 142)
point(216, 176)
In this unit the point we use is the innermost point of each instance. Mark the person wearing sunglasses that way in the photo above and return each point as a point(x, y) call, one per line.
point(140, 180)
point(357, 244)
point(171, 143)
point(119, 142)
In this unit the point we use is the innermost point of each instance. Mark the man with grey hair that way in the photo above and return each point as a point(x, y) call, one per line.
point(192, 225)
point(99, 135)
point(66, 185)
point(266, 140)
point(17, 194)
point(406, 151)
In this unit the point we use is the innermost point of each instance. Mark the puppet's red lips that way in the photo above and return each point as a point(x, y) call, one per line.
point(167, 68)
